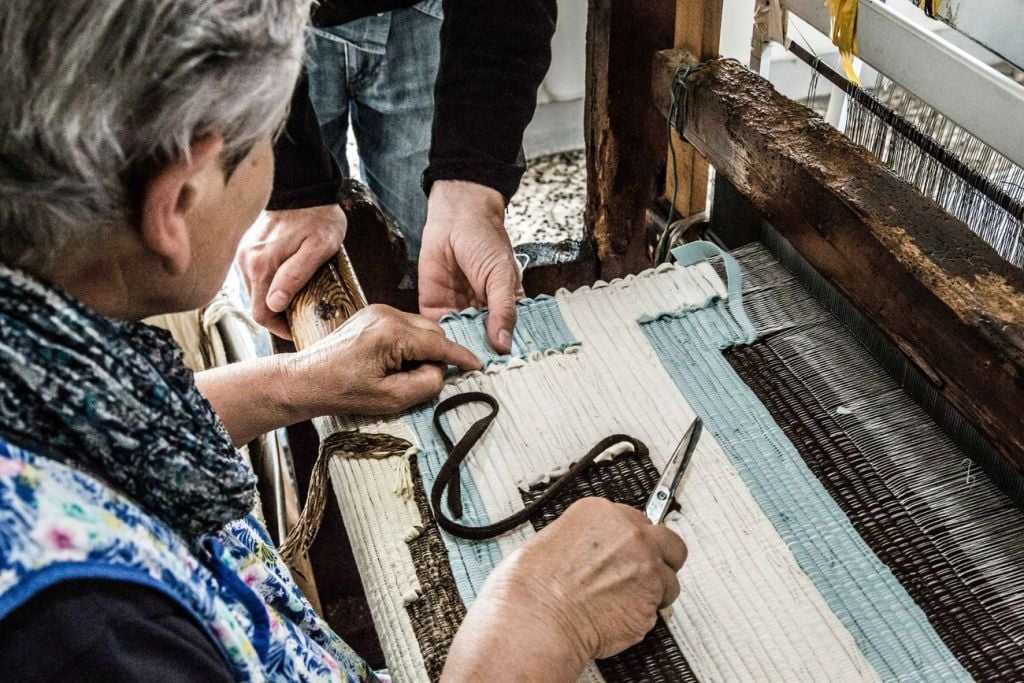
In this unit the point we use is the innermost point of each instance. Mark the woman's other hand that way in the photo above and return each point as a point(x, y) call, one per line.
point(587, 586)
point(380, 361)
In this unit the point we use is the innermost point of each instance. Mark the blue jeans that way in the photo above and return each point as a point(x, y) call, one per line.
point(381, 71)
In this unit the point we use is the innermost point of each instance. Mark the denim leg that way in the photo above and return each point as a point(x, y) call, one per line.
point(328, 68)
point(392, 106)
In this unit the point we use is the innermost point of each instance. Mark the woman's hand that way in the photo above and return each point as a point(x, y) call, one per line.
point(588, 586)
point(380, 361)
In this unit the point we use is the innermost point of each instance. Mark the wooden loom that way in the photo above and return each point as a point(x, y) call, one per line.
point(937, 293)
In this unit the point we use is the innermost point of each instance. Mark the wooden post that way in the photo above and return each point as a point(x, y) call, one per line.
point(942, 295)
point(698, 28)
point(625, 136)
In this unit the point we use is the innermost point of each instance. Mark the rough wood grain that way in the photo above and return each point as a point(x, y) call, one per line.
point(698, 31)
point(569, 263)
point(625, 136)
point(328, 300)
point(943, 296)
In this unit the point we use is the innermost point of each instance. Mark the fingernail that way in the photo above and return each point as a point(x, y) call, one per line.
point(277, 301)
point(505, 339)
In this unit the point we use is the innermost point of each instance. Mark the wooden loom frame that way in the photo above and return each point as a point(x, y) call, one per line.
point(937, 292)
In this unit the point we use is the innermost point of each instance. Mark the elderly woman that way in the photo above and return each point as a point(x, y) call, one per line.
point(135, 151)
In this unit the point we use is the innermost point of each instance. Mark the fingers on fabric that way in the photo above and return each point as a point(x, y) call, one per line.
point(500, 289)
point(663, 549)
point(669, 587)
point(415, 386)
point(423, 345)
point(673, 549)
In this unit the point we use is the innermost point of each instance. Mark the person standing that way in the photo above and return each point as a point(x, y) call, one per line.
point(492, 58)
point(380, 71)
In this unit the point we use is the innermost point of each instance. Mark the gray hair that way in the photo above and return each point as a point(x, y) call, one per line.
point(94, 93)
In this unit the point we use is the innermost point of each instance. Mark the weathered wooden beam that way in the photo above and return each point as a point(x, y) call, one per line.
point(943, 296)
point(698, 32)
point(625, 136)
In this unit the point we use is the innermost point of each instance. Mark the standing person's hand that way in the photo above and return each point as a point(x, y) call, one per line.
point(467, 259)
point(588, 586)
point(280, 254)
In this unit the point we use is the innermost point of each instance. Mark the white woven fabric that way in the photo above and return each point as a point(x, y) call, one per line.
point(746, 612)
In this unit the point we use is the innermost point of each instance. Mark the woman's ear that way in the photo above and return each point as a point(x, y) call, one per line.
point(171, 193)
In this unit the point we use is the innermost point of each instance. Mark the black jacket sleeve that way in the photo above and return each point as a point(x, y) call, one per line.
point(494, 55)
point(305, 173)
point(92, 630)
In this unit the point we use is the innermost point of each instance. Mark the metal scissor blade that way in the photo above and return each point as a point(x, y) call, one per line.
point(661, 498)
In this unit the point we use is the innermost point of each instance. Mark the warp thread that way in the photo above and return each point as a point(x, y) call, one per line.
point(969, 179)
point(347, 444)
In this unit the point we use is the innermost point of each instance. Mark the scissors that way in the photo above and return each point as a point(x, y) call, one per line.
point(658, 504)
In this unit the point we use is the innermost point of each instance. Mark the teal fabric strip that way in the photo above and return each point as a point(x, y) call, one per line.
point(539, 327)
point(888, 626)
point(471, 561)
point(694, 252)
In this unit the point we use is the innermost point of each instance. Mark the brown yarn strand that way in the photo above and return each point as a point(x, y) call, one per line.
point(448, 476)
point(347, 444)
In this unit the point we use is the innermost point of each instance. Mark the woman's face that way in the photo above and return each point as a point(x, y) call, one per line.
point(222, 215)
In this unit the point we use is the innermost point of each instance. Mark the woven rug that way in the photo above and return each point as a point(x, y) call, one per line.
point(629, 480)
point(834, 532)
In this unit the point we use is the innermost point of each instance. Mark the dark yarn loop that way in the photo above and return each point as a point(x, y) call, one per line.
point(448, 476)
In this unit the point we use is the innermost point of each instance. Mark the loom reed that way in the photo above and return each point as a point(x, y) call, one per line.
point(966, 177)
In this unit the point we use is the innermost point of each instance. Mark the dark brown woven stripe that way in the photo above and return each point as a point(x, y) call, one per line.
point(627, 479)
point(949, 599)
point(438, 611)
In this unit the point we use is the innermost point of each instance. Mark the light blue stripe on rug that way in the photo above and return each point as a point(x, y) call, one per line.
point(471, 561)
point(539, 327)
point(888, 626)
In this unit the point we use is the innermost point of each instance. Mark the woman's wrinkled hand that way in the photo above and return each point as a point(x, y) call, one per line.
point(586, 587)
point(379, 362)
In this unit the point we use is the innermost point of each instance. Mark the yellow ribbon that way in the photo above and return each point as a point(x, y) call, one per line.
point(844, 33)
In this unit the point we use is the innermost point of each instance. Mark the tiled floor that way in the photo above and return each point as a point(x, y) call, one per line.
point(550, 202)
